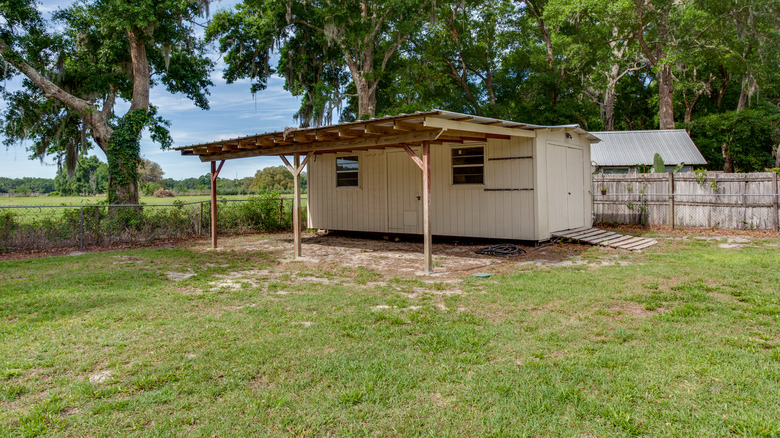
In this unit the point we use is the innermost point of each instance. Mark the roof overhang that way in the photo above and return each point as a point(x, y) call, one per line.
point(394, 131)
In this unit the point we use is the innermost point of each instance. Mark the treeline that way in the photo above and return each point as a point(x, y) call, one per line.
point(91, 178)
point(269, 179)
point(26, 186)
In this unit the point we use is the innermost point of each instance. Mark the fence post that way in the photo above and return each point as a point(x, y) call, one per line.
point(670, 220)
point(81, 226)
point(776, 189)
point(281, 211)
point(200, 220)
point(97, 225)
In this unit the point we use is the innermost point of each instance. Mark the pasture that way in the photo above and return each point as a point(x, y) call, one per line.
point(34, 201)
point(679, 340)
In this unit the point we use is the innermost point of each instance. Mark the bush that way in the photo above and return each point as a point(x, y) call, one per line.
point(163, 193)
point(104, 225)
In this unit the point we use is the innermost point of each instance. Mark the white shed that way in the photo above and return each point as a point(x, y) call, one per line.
point(485, 177)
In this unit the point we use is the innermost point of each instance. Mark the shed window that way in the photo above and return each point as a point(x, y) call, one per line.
point(614, 170)
point(347, 171)
point(468, 165)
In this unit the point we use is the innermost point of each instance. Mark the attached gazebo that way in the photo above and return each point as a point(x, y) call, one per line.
point(495, 162)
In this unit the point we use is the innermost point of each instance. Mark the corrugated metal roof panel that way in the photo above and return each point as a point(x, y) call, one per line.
point(628, 148)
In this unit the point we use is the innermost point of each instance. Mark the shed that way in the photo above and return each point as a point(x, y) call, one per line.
point(435, 172)
point(622, 151)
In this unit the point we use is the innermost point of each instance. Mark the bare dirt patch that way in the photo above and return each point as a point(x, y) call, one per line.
point(402, 258)
point(632, 309)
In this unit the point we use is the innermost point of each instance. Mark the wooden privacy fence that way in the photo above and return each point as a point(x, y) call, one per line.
point(689, 200)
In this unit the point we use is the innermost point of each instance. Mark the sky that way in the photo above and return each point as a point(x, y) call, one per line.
point(234, 112)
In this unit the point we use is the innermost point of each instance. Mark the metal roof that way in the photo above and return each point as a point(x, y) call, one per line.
point(403, 128)
point(629, 148)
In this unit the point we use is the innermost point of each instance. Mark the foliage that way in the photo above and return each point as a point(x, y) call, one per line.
point(277, 178)
point(90, 177)
point(749, 136)
point(322, 46)
point(78, 66)
point(149, 171)
point(26, 185)
point(45, 228)
point(658, 164)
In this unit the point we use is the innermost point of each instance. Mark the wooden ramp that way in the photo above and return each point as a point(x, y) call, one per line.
point(595, 236)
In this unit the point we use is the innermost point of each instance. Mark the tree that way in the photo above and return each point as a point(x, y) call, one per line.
point(655, 29)
point(603, 48)
point(96, 52)
point(741, 141)
point(149, 171)
point(277, 178)
point(318, 40)
point(89, 178)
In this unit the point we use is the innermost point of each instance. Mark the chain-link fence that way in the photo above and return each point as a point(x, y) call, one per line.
point(711, 200)
point(93, 225)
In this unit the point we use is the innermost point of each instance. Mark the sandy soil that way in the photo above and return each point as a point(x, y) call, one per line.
point(401, 257)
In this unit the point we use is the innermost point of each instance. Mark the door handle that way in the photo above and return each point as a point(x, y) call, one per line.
point(418, 197)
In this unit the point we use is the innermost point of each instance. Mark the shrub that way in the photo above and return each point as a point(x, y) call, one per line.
point(163, 193)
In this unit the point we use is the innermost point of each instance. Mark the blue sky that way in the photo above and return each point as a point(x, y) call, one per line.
point(234, 112)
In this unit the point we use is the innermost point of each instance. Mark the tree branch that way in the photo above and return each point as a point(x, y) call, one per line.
point(50, 89)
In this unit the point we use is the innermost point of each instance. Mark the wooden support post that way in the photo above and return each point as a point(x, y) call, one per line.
point(297, 207)
point(670, 220)
point(296, 170)
point(426, 186)
point(214, 174)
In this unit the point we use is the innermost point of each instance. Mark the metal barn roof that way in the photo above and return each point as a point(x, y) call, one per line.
point(629, 148)
point(436, 126)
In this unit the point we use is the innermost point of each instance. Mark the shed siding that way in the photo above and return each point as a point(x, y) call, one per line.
point(362, 208)
point(552, 175)
point(456, 210)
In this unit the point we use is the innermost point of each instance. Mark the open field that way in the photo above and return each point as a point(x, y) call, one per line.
point(84, 200)
point(681, 340)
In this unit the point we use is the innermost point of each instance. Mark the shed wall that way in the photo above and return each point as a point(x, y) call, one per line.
point(552, 150)
point(503, 207)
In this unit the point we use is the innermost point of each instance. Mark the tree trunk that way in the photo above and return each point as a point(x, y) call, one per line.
point(743, 94)
point(666, 98)
point(124, 155)
point(722, 91)
point(609, 110)
point(366, 98)
point(122, 189)
point(728, 159)
point(688, 111)
point(141, 71)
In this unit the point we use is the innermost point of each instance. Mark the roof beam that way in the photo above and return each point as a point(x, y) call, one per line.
point(352, 143)
point(435, 122)
point(408, 126)
point(377, 129)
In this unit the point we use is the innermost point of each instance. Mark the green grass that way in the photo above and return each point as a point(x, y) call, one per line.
point(681, 342)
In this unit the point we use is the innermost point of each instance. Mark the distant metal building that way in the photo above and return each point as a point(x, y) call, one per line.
point(622, 151)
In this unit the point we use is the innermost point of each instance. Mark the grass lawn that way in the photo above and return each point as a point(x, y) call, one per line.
point(682, 340)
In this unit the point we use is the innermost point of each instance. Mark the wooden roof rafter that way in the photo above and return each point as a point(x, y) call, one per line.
point(435, 126)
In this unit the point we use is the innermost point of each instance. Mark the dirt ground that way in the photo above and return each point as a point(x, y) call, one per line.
point(395, 255)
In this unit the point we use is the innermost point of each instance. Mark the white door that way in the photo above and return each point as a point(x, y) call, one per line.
point(575, 190)
point(404, 194)
point(557, 189)
point(565, 191)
